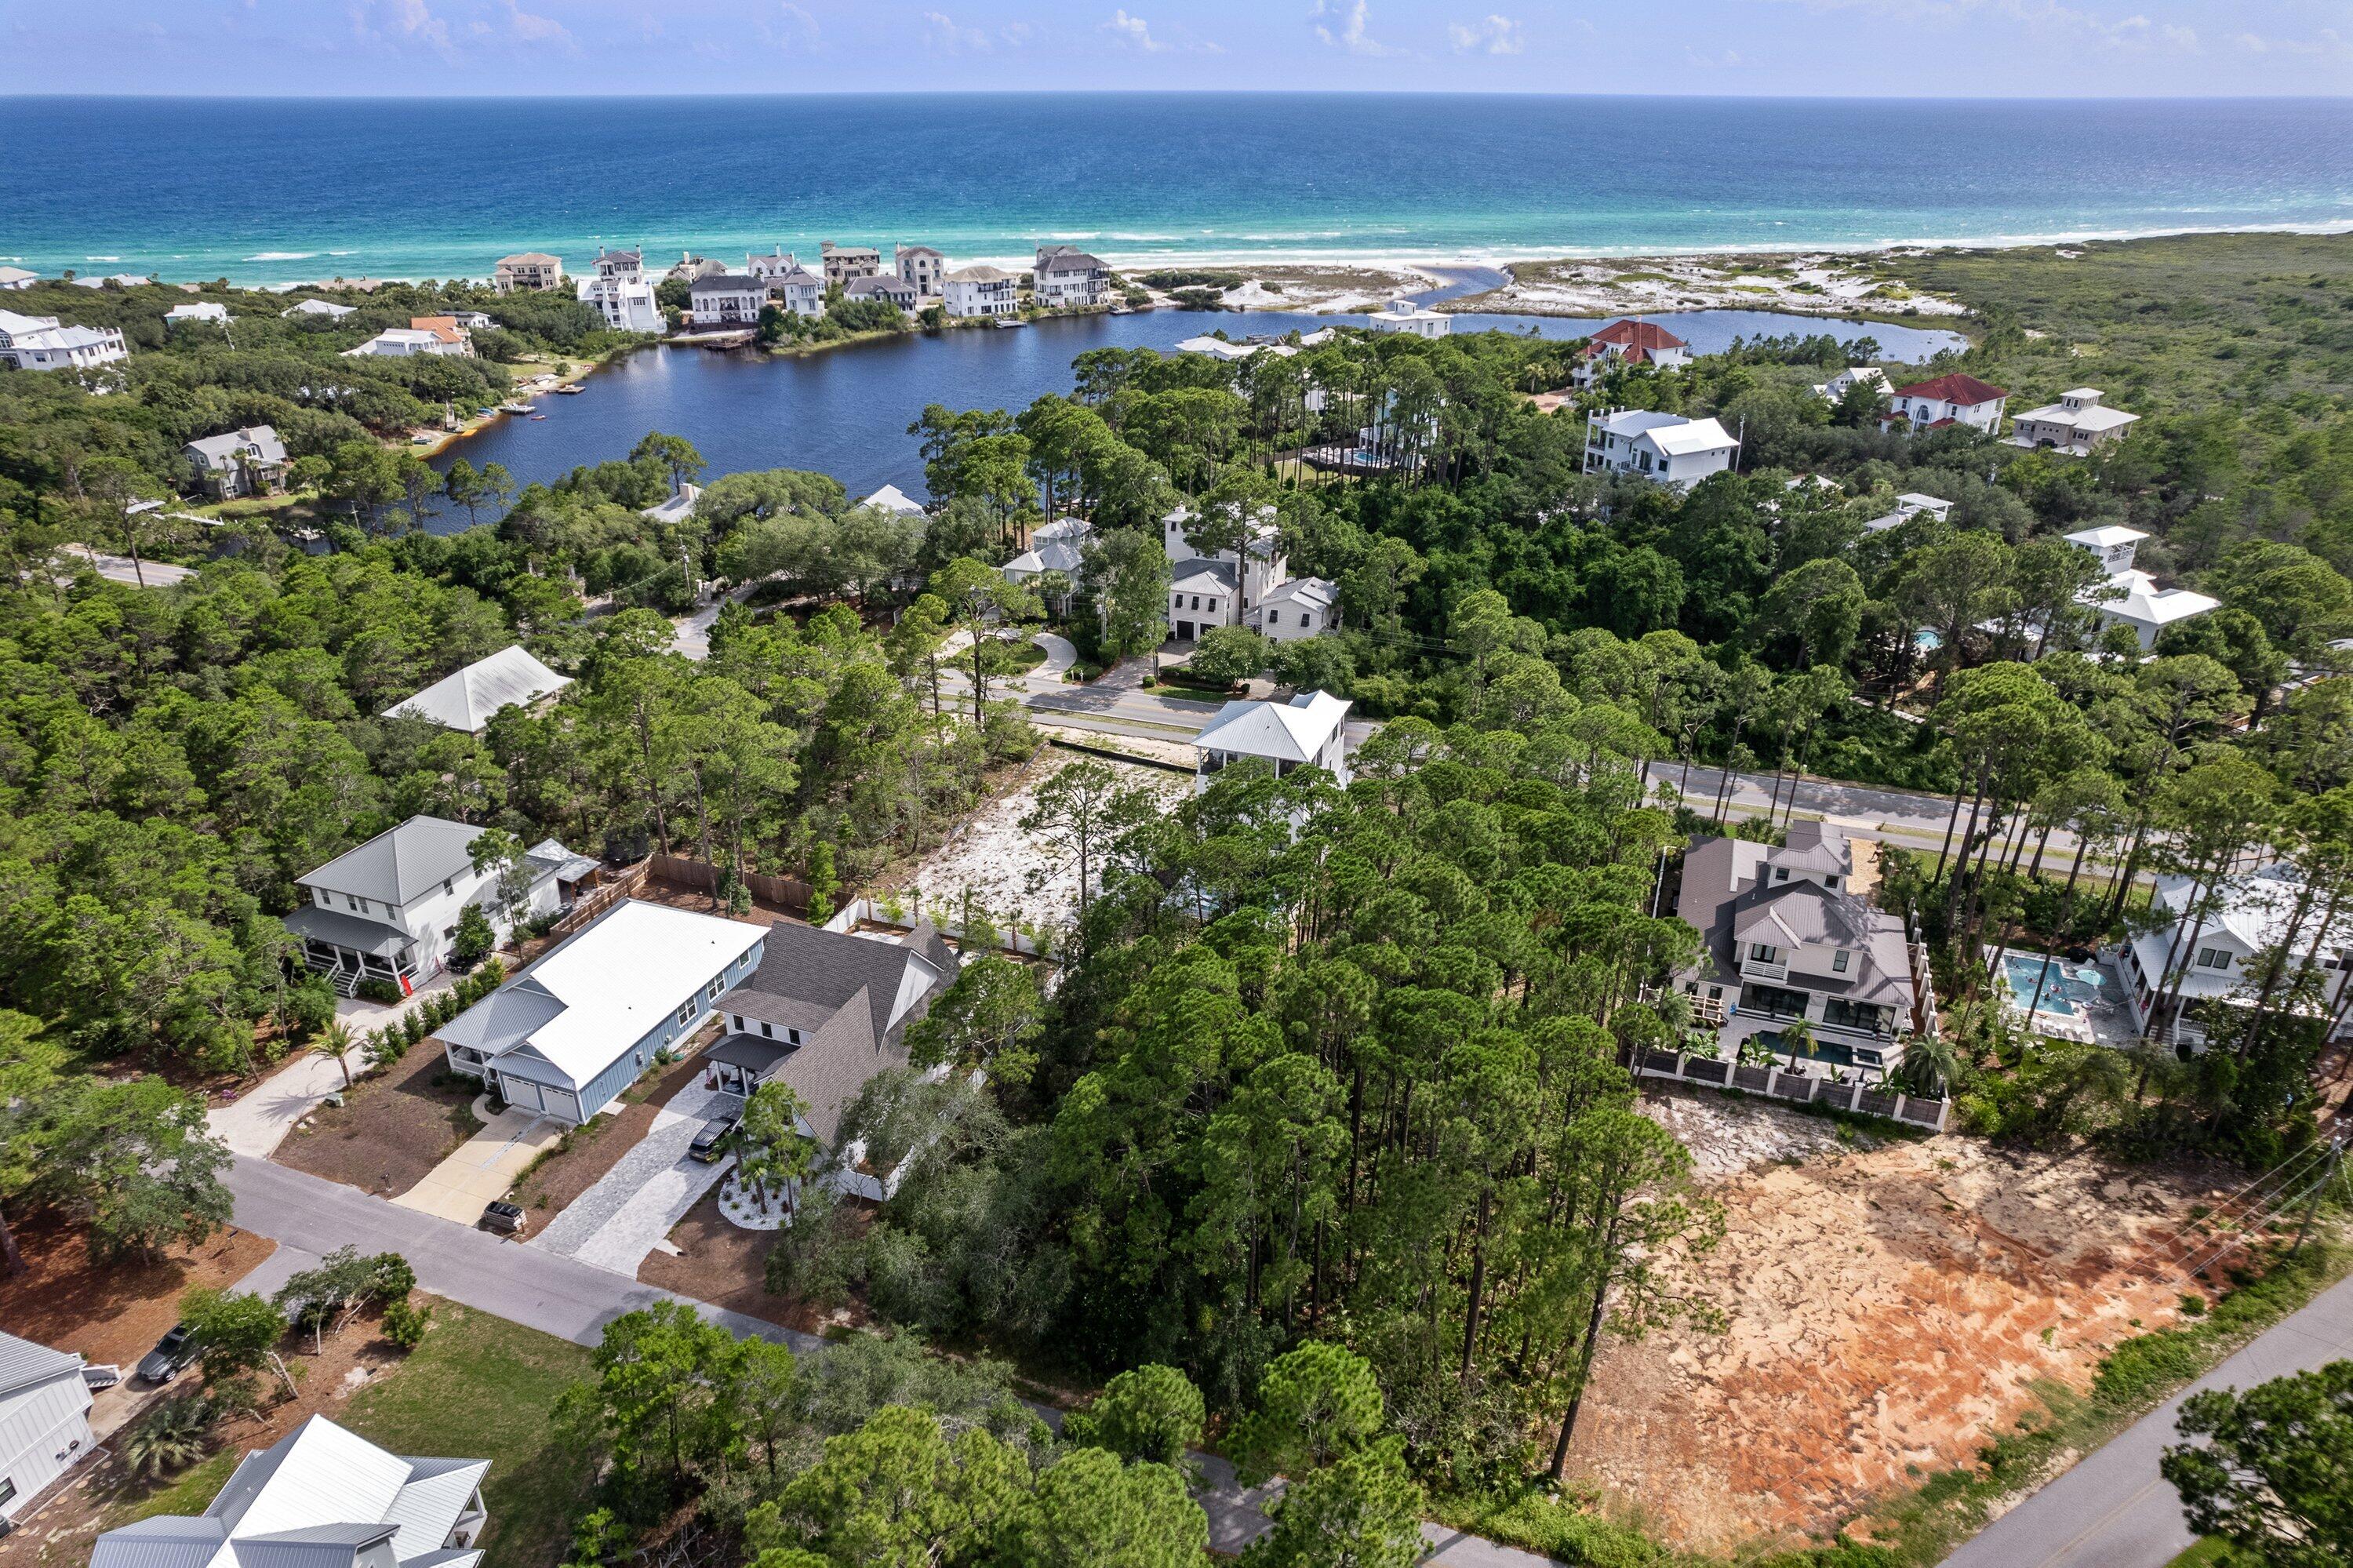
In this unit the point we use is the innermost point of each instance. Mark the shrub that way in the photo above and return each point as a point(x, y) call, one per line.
point(474, 939)
point(405, 1324)
point(390, 1277)
point(170, 1437)
point(375, 989)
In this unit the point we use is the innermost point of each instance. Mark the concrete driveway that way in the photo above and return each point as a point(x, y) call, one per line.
point(258, 1120)
point(632, 1207)
point(484, 1166)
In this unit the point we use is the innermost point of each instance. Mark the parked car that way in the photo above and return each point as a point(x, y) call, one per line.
point(503, 1218)
point(707, 1143)
point(170, 1355)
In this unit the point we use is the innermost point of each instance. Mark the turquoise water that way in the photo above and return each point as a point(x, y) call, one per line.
point(2065, 991)
point(274, 191)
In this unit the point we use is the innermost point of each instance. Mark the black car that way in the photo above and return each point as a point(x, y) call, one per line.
point(170, 1355)
point(706, 1145)
point(506, 1219)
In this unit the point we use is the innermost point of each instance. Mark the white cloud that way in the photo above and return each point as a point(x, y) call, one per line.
point(1491, 34)
point(537, 29)
point(2325, 45)
point(2037, 18)
point(1350, 33)
point(402, 21)
point(1134, 33)
point(944, 35)
point(795, 28)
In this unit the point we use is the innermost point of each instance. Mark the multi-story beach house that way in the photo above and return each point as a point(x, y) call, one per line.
point(773, 264)
point(2078, 424)
point(1911, 503)
point(1954, 399)
point(620, 263)
point(1868, 376)
point(2130, 597)
point(248, 461)
point(42, 343)
point(2195, 970)
point(1403, 315)
point(388, 910)
point(1785, 936)
point(883, 286)
point(528, 272)
point(625, 301)
point(1297, 609)
point(840, 263)
point(1057, 546)
point(1630, 341)
point(1064, 275)
point(13, 278)
point(1218, 587)
point(981, 290)
point(922, 266)
point(443, 336)
point(728, 299)
point(1665, 449)
point(798, 291)
point(43, 1423)
point(690, 267)
point(1310, 730)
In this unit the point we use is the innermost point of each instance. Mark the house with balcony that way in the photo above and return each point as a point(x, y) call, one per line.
point(1218, 587)
point(320, 1497)
point(1665, 449)
point(981, 290)
point(2130, 597)
point(1910, 504)
point(2217, 948)
point(2078, 424)
point(248, 462)
point(588, 1017)
point(528, 272)
point(1630, 342)
point(625, 301)
point(1785, 936)
point(43, 343)
point(388, 910)
point(1954, 399)
point(1411, 318)
point(727, 300)
point(1056, 547)
point(1064, 275)
point(620, 263)
point(840, 263)
point(885, 287)
point(921, 266)
point(1310, 730)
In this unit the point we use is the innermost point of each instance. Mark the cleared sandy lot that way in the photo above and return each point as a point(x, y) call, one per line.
point(1888, 1308)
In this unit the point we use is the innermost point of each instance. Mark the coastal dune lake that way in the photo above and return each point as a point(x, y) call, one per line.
point(845, 411)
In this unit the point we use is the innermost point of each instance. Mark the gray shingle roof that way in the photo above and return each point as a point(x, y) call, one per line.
point(221, 451)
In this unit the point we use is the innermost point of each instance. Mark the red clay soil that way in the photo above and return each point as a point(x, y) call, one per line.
point(581, 1160)
point(111, 1312)
point(725, 1265)
point(391, 1128)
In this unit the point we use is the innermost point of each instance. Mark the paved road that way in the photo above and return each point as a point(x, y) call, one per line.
point(308, 1216)
point(2113, 1510)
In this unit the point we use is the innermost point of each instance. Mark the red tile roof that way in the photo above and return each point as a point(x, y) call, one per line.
point(1634, 334)
point(1966, 390)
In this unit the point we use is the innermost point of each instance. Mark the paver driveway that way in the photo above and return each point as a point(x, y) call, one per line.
point(616, 1223)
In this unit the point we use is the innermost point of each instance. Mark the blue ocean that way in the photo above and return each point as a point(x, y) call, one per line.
point(275, 191)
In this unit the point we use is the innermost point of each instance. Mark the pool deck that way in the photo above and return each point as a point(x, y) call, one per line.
point(2099, 1019)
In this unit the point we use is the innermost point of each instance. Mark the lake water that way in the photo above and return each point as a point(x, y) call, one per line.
point(845, 411)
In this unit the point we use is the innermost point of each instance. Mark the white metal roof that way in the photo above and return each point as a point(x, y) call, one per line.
point(1297, 731)
point(2107, 536)
point(25, 1364)
point(1690, 436)
point(890, 498)
point(467, 699)
point(401, 863)
point(606, 987)
point(1316, 592)
point(2162, 607)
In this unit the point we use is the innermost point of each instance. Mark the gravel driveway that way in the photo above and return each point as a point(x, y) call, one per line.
point(616, 1223)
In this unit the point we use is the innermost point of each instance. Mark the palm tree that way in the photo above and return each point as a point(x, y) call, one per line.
point(1798, 1038)
point(337, 1042)
point(171, 1436)
point(1929, 1063)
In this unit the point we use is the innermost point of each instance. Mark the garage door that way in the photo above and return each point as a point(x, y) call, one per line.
point(520, 1092)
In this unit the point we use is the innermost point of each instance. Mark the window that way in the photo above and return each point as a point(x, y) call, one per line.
point(1837, 961)
point(1780, 874)
point(744, 961)
point(686, 1010)
point(767, 1030)
point(792, 1036)
point(718, 983)
point(449, 884)
point(1764, 953)
point(322, 898)
point(1213, 607)
point(2213, 959)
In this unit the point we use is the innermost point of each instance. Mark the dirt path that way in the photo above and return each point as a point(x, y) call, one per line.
point(1888, 1308)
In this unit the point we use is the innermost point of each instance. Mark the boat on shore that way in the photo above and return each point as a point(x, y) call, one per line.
point(571, 389)
point(1005, 324)
point(517, 408)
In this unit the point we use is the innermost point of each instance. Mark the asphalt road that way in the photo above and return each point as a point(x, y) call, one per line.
point(2113, 1510)
point(309, 1216)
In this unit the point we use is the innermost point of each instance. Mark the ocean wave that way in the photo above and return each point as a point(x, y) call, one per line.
point(342, 252)
point(101, 258)
point(282, 256)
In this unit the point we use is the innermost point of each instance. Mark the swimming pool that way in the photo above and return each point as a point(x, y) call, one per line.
point(2065, 990)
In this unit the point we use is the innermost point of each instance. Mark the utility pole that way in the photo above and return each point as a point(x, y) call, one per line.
point(2311, 1205)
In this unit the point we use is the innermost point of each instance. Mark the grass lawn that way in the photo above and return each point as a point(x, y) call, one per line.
point(480, 1385)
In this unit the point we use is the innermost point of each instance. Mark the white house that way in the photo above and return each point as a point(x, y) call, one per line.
point(44, 1420)
point(1666, 449)
point(198, 311)
point(387, 909)
point(895, 501)
point(1869, 376)
point(625, 301)
point(119, 280)
point(1218, 587)
point(981, 290)
point(2216, 960)
point(530, 272)
point(406, 342)
point(1309, 731)
point(320, 1497)
point(1630, 342)
point(590, 1015)
point(840, 263)
point(469, 699)
point(1954, 399)
point(728, 299)
point(1065, 275)
point(242, 462)
point(798, 291)
point(2075, 425)
point(1297, 609)
point(2130, 597)
point(17, 278)
point(772, 266)
point(620, 263)
point(327, 309)
point(1785, 937)
point(922, 266)
point(1056, 548)
point(884, 286)
point(1403, 315)
point(40, 343)
point(1910, 504)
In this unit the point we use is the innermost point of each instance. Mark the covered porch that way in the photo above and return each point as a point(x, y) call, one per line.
point(737, 1064)
point(348, 949)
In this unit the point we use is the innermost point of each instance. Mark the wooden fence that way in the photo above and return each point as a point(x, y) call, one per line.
point(779, 892)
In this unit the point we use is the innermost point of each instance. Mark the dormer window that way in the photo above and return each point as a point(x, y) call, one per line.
point(1837, 961)
point(1780, 874)
point(2213, 959)
point(1764, 953)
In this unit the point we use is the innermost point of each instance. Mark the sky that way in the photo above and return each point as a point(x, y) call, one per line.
point(1779, 47)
